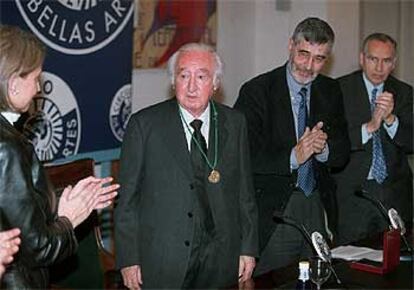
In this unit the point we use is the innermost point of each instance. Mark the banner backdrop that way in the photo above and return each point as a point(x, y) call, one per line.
point(165, 25)
point(86, 81)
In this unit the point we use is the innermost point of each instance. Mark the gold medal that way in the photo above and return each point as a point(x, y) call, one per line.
point(214, 176)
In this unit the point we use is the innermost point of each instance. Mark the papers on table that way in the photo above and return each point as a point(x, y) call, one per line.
point(353, 253)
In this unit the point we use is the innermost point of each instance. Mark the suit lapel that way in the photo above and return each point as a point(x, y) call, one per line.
point(317, 105)
point(174, 138)
point(363, 107)
point(388, 87)
point(280, 97)
point(222, 134)
point(314, 104)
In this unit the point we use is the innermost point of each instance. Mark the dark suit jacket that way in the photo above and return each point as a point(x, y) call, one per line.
point(265, 100)
point(357, 109)
point(154, 219)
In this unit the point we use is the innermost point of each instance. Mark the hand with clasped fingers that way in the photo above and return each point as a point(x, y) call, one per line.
point(9, 245)
point(384, 106)
point(312, 142)
point(76, 203)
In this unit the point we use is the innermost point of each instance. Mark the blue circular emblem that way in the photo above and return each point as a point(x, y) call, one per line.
point(120, 111)
point(54, 123)
point(76, 26)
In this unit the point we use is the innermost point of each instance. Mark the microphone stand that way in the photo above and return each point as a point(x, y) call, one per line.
point(305, 233)
point(300, 227)
point(325, 255)
point(363, 194)
point(407, 245)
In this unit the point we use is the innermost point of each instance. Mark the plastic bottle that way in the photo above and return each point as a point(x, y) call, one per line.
point(304, 282)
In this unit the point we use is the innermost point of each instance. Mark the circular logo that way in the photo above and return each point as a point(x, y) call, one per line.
point(76, 26)
point(54, 125)
point(120, 111)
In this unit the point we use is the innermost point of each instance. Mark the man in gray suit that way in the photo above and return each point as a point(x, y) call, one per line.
point(186, 216)
point(379, 110)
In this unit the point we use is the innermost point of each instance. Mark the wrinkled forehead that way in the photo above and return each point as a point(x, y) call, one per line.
point(313, 47)
point(380, 47)
point(196, 60)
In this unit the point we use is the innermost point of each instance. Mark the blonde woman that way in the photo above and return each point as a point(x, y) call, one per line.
point(47, 227)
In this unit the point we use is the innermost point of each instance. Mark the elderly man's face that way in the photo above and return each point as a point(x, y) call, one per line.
point(194, 74)
point(307, 60)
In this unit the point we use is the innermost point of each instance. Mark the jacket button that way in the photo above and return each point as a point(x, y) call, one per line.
point(186, 243)
point(190, 214)
point(191, 186)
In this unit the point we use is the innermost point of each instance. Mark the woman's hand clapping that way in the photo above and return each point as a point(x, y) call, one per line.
point(76, 203)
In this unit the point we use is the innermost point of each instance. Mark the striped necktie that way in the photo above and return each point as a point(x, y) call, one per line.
point(306, 175)
point(379, 166)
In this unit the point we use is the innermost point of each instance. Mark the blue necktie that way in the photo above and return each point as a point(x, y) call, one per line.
point(306, 178)
point(379, 167)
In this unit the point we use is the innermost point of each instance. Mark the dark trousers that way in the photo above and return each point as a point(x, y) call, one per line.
point(197, 275)
point(287, 244)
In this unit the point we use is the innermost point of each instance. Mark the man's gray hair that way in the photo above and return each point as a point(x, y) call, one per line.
point(379, 37)
point(218, 70)
point(315, 31)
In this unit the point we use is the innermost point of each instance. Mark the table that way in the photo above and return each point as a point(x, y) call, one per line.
point(286, 277)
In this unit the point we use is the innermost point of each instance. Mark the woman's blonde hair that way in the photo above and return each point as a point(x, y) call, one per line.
point(20, 54)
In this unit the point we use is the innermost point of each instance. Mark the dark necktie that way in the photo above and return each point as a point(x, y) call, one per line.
point(198, 143)
point(306, 178)
point(379, 167)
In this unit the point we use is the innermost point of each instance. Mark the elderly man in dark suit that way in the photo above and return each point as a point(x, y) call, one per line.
point(379, 110)
point(187, 216)
point(297, 132)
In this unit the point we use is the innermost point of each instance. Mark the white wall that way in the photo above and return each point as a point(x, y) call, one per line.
point(344, 16)
point(274, 28)
point(252, 38)
point(236, 44)
point(395, 18)
point(148, 87)
point(405, 68)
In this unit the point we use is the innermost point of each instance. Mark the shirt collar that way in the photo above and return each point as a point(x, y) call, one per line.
point(11, 117)
point(369, 86)
point(294, 86)
point(204, 117)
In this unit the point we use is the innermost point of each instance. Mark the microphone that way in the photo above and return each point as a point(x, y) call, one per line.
point(398, 223)
point(316, 240)
point(393, 218)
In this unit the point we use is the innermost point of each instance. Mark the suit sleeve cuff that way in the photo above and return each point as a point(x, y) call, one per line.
point(365, 136)
point(293, 161)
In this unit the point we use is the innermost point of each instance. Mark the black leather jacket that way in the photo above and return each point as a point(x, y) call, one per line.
point(27, 203)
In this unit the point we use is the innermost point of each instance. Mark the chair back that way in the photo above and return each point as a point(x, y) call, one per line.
point(69, 173)
point(83, 269)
